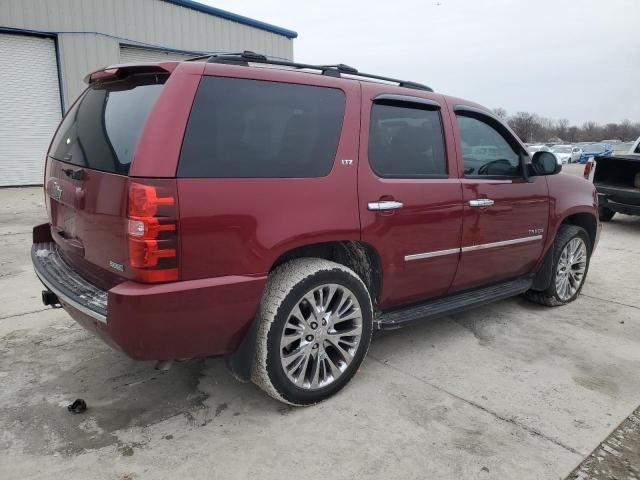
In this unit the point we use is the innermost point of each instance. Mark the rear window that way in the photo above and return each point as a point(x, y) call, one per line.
point(241, 128)
point(102, 129)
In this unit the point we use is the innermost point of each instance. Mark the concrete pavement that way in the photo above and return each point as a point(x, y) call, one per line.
point(510, 390)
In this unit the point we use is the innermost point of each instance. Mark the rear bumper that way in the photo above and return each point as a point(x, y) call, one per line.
point(619, 207)
point(619, 199)
point(195, 318)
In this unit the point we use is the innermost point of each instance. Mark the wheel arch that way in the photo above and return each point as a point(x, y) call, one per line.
point(360, 257)
point(586, 220)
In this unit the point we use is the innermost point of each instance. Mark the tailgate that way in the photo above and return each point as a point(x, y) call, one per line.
point(618, 178)
point(86, 178)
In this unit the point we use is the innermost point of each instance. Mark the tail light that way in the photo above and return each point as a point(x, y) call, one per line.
point(587, 169)
point(152, 232)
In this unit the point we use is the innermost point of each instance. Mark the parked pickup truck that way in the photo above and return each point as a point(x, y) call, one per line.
point(276, 213)
point(617, 181)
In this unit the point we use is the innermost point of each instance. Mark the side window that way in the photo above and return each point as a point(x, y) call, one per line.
point(240, 128)
point(406, 142)
point(485, 151)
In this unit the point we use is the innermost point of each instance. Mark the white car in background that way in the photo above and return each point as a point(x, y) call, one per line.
point(542, 148)
point(567, 153)
point(537, 148)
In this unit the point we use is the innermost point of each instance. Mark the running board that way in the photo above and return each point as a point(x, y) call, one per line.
point(451, 304)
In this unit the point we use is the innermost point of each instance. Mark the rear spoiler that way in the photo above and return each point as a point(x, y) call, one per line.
point(120, 71)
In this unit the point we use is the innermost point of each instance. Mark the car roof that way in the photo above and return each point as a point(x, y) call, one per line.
point(287, 70)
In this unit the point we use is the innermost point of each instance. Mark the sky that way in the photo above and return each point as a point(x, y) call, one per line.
point(574, 59)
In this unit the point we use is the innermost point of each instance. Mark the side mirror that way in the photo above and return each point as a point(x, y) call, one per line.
point(545, 163)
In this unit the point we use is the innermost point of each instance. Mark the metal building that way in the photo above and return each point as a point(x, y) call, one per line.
point(48, 46)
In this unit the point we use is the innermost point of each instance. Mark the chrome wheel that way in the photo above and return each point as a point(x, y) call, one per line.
point(321, 336)
point(572, 265)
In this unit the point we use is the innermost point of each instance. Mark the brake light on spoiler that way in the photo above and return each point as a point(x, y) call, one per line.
point(120, 71)
point(152, 230)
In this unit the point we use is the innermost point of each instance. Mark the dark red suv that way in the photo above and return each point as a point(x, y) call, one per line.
point(276, 213)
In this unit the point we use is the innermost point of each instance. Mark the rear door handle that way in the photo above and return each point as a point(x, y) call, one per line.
point(75, 174)
point(481, 202)
point(382, 205)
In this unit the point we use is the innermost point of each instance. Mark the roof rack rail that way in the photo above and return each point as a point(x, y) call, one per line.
point(246, 57)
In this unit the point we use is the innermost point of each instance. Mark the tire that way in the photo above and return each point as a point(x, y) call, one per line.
point(330, 355)
point(605, 214)
point(555, 294)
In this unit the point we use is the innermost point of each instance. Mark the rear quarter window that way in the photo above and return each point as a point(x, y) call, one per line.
point(241, 128)
point(102, 129)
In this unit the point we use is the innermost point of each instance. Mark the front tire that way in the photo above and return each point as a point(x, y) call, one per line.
point(571, 256)
point(315, 325)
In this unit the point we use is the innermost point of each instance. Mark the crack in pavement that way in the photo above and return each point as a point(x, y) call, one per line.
point(512, 421)
point(24, 313)
point(609, 301)
point(625, 250)
point(15, 233)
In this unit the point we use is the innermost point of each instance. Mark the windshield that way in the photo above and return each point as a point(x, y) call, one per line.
point(562, 149)
point(102, 129)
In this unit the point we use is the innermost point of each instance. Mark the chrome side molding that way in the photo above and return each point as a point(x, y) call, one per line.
point(503, 243)
point(439, 253)
point(471, 248)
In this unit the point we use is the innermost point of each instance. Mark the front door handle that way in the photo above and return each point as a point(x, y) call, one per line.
point(481, 202)
point(382, 205)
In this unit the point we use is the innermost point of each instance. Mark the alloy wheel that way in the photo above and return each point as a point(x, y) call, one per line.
point(571, 268)
point(321, 336)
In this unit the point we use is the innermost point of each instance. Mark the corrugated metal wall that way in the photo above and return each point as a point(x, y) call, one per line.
point(138, 21)
point(29, 107)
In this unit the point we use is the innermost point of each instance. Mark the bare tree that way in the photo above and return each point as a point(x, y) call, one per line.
point(562, 128)
point(573, 134)
point(591, 131)
point(501, 113)
point(525, 125)
point(611, 131)
point(626, 131)
point(532, 129)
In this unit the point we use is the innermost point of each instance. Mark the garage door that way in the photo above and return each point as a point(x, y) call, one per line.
point(133, 55)
point(29, 107)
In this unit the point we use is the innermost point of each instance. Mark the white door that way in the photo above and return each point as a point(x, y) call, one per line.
point(30, 107)
point(136, 55)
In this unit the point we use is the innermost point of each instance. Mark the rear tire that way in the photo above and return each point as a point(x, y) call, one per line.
point(605, 214)
point(314, 328)
point(571, 256)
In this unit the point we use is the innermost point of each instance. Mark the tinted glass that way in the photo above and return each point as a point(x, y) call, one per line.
point(406, 142)
point(102, 129)
point(252, 128)
point(637, 150)
point(485, 151)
